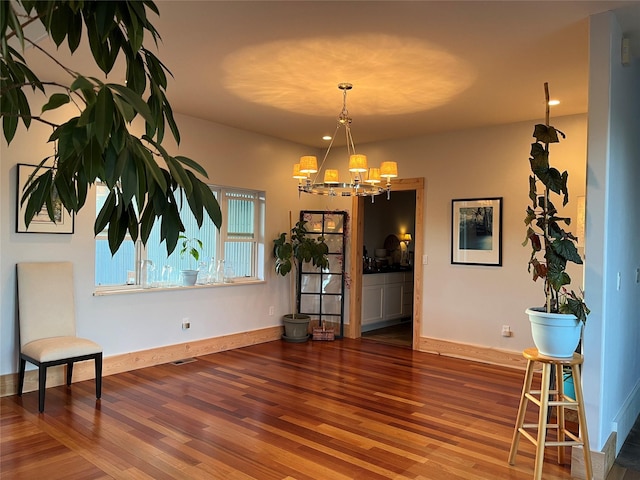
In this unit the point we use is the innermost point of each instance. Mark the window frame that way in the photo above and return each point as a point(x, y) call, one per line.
point(221, 237)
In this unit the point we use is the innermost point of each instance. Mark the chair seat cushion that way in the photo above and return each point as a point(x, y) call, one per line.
point(57, 348)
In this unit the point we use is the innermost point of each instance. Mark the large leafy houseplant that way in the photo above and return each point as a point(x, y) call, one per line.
point(292, 250)
point(552, 247)
point(146, 183)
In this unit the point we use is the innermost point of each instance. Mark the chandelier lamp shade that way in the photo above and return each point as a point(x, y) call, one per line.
point(363, 181)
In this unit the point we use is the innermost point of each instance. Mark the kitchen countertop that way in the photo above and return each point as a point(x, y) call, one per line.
point(394, 268)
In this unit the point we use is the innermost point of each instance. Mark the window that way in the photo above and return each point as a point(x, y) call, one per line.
point(240, 243)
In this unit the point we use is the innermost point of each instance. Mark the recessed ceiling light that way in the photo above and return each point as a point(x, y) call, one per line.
point(554, 102)
point(327, 137)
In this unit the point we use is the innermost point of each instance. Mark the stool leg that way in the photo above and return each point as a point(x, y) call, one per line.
point(560, 412)
point(582, 422)
point(542, 421)
point(522, 410)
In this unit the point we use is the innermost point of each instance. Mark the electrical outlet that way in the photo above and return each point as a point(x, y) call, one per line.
point(186, 324)
point(272, 310)
point(506, 331)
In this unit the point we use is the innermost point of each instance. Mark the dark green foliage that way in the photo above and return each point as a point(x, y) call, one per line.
point(544, 231)
point(300, 249)
point(96, 144)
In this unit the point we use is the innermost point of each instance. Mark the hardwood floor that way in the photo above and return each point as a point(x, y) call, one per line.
point(348, 409)
point(399, 335)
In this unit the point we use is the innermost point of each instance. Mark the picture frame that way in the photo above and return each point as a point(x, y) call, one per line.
point(41, 223)
point(476, 231)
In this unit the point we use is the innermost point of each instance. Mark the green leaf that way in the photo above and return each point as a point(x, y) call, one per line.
point(59, 24)
point(133, 99)
point(81, 83)
point(146, 223)
point(545, 134)
point(74, 30)
point(104, 112)
point(210, 203)
point(10, 125)
point(192, 165)
point(56, 100)
point(152, 166)
point(38, 197)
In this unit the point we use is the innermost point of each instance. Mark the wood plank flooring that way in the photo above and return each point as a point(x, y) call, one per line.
point(348, 409)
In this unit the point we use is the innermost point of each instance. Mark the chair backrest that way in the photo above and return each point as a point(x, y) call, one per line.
point(45, 300)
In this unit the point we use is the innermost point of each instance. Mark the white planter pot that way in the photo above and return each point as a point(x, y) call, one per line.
point(189, 277)
point(554, 334)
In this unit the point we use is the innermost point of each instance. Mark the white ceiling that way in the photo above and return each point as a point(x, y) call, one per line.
point(417, 67)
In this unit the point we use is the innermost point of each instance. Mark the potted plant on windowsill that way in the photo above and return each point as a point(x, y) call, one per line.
point(291, 251)
point(557, 326)
point(192, 247)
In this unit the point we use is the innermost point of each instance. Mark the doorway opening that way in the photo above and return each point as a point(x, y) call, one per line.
point(367, 308)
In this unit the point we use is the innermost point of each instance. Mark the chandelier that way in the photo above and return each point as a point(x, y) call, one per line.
point(363, 180)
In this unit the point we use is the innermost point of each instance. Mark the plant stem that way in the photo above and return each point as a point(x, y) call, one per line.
point(546, 203)
point(295, 275)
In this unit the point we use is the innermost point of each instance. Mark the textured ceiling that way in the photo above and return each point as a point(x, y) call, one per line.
point(417, 67)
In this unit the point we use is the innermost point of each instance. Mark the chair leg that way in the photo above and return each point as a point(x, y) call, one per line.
point(98, 361)
point(23, 364)
point(69, 373)
point(42, 385)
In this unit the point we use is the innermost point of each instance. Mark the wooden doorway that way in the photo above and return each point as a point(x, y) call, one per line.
point(353, 329)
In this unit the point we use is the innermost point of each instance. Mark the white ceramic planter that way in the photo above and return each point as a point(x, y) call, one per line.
point(554, 334)
point(189, 277)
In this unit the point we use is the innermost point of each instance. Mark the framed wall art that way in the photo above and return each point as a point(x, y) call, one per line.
point(41, 223)
point(476, 231)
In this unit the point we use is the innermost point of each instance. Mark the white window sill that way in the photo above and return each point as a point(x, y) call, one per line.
point(126, 289)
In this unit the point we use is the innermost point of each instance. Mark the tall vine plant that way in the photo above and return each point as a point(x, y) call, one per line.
point(551, 246)
point(96, 144)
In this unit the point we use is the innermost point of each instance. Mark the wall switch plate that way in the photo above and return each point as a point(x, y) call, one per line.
point(425, 259)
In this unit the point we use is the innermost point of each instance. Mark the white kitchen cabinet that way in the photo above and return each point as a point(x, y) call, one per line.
point(386, 296)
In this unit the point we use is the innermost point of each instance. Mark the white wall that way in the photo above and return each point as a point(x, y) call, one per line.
point(612, 336)
point(459, 301)
point(469, 304)
point(139, 321)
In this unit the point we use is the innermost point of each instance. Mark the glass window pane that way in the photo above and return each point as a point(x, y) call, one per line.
point(331, 304)
point(238, 256)
point(332, 284)
point(310, 304)
point(310, 284)
point(112, 270)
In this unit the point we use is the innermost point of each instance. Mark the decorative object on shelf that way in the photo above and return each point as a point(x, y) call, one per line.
point(405, 241)
point(476, 231)
point(147, 274)
point(291, 252)
point(364, 180)
point(557, 247)
point(191, 247)
point(42, 221)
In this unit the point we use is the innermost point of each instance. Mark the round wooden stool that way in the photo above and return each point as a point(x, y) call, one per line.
point(541, 399)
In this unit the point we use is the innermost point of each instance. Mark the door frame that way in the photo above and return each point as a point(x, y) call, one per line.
point(353, 329)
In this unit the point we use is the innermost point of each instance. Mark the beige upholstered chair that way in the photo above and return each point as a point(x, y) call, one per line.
point(48, 325)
